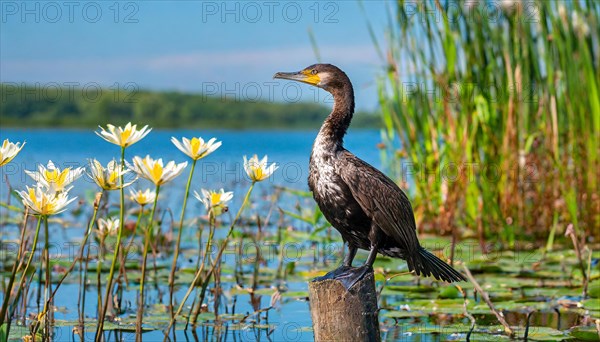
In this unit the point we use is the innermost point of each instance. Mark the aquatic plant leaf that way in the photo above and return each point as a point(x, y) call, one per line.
point(584, 333)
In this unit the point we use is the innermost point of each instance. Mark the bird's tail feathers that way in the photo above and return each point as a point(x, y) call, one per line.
point(426, 264)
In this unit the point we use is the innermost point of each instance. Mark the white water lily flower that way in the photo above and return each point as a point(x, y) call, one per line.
point(108, 178)
point(9, 151)
point(109, 226)
point(196, 148)
point(142, 197)
point(155, 171)
point(258, 170)
point(123, 136)
point(53, 178)
point(214, 200)
point(44, 202)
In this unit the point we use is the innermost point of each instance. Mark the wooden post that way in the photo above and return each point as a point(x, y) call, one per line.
point(341, 315)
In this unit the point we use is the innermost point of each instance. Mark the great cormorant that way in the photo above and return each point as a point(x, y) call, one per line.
point(364, 205)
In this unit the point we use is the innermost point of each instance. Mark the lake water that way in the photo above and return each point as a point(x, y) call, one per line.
point(224, 168)
point(412, 309)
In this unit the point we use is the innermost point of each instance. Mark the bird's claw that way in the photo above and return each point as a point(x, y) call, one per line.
point(347, 275)
point(334, 274)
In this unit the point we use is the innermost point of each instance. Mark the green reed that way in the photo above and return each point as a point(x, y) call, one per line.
point(494, 113)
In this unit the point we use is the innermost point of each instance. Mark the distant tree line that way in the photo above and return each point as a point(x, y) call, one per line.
point(63, 106)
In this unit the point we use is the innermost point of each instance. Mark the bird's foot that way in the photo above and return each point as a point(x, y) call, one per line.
point(347, 275)
point(334, 274)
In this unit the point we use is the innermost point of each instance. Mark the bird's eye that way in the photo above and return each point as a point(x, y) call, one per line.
point(314, 71)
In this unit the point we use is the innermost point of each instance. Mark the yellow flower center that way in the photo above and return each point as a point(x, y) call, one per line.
point(43, 205)
point(257, 172)
point(157, 172)
point(112, 178)
point(32, 197)
point(63, 176)
point(51, 175)
point(125, 135)
point(49, 208)
point(215, 198)
point(195, 142)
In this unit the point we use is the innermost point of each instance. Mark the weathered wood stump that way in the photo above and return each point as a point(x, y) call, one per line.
point(341, 315)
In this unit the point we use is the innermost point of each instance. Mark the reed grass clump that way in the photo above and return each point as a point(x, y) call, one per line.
point(492, 109)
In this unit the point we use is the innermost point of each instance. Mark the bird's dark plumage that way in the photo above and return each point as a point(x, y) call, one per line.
point(369, 210)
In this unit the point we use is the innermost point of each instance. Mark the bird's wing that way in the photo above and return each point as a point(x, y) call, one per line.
point(380, 198)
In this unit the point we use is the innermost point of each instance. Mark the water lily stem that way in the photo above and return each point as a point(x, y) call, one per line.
point(23, 276)
point(48, 280)
point(111, 274)
point(83, 277)
point(211, 222)
point(14, 269)
point(201, 259)
point(177, 244)
point(79, 256)
point(147, 237)
point(217, 260)
point(99, 263)
point(128, 246)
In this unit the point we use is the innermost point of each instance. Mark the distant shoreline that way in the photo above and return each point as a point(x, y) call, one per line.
point(4, 127)
point(29, 107)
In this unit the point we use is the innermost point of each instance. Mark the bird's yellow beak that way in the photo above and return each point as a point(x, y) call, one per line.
point(304, 76)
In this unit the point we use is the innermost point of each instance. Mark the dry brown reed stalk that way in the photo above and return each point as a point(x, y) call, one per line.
point(489, 303)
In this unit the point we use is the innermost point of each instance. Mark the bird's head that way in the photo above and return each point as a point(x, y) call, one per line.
point(325, 76)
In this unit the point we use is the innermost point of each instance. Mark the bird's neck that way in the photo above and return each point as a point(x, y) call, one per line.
point(334, 128)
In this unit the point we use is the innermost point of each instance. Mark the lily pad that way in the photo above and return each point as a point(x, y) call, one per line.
point(585, 333)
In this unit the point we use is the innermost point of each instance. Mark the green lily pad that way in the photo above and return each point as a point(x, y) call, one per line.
point(448, 292)
point(594, 289)
point(585, 333)
point(544, 334)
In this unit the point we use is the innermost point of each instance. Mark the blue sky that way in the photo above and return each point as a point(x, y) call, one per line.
point(230, 49)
